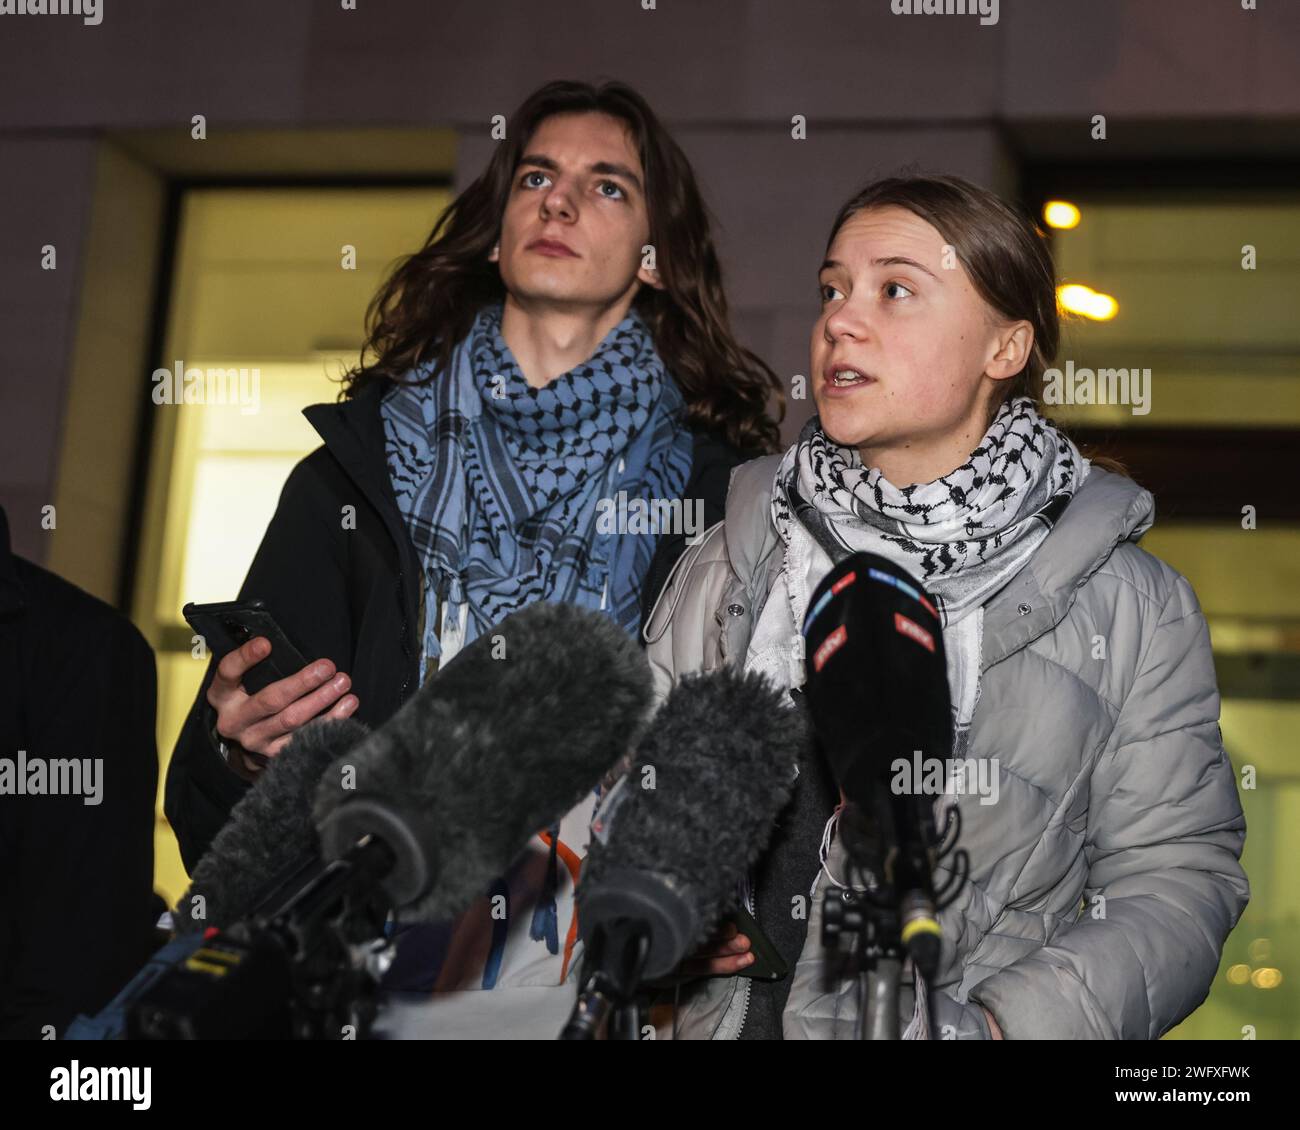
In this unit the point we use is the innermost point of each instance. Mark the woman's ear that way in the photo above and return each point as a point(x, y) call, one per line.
point(1014, 344)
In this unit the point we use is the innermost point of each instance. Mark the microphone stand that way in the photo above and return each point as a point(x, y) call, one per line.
point(896, 904)
point(865, 922)
point(290, 971)
point(876, 961)
point(616, 956)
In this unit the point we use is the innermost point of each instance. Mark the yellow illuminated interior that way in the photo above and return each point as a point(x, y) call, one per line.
point(1220, 339)
point(1222, 343)
point(259, 284)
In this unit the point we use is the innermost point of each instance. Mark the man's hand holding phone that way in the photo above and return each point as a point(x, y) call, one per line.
point(264, 722)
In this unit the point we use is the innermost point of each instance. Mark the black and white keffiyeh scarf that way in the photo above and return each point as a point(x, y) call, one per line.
point(964, 535)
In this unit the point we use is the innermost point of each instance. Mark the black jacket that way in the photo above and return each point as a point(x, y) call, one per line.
point(77, 906)
point(352, 595)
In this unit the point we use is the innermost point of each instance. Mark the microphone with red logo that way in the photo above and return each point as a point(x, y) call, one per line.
point(877, 690)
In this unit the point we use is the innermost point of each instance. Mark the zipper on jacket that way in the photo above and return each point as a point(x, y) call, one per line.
point(751, 903)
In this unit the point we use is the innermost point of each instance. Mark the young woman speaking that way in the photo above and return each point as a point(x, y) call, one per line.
point(1106, 877)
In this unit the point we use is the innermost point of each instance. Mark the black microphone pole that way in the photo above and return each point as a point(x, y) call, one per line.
point(893, 917)
point(608, 997)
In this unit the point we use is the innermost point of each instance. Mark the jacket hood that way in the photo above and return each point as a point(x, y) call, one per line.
point(1107, 510)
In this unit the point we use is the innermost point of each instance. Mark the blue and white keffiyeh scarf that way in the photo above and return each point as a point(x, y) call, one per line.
point(499, 482)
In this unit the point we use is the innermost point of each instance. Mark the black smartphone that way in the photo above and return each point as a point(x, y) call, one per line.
point(232, 624)
point(768, 963)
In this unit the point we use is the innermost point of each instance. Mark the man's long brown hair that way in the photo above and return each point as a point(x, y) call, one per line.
point(428, 302)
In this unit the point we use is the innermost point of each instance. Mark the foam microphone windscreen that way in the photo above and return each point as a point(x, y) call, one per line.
point(672, 842)
point(269, 830)
point(498, 745)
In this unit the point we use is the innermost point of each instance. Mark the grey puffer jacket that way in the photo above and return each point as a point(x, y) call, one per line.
point(1106, 878)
